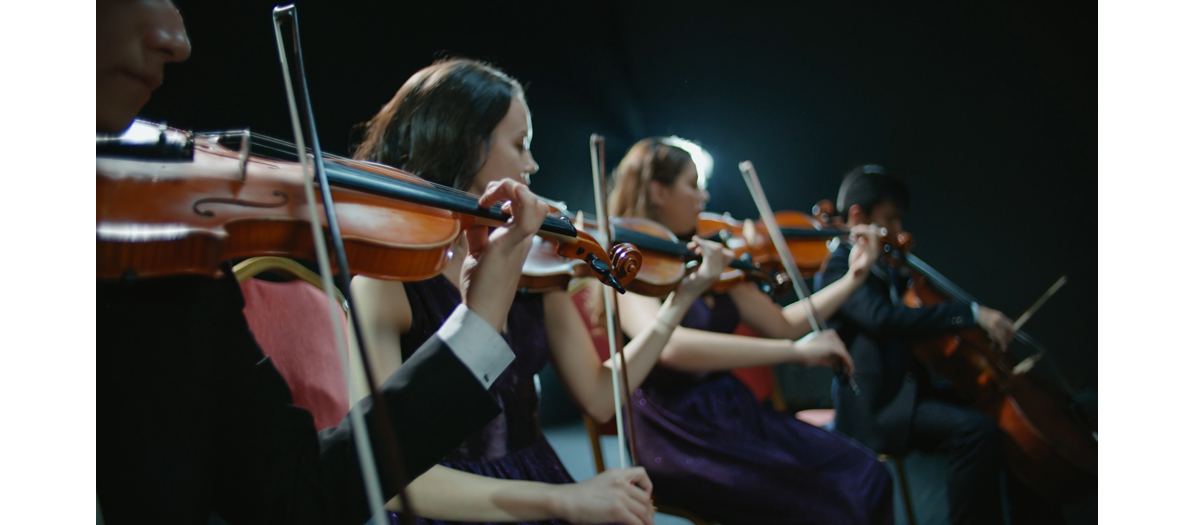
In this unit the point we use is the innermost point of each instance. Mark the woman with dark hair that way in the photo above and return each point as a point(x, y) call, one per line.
point(706, 442)
point(197, 422)
point(465, 124)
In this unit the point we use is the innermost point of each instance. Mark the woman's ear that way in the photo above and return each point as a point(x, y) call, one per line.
point(657, 193)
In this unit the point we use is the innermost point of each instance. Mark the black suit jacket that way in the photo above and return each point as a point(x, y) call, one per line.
point(193, 418)
point(878, 333)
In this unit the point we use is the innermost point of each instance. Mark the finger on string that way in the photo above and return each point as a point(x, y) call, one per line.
point(499, 190)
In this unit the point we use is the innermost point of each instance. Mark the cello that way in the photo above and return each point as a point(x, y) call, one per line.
point(1048, 442)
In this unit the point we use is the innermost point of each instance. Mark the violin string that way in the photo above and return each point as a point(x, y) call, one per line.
point(438, 186)
point(461, 197)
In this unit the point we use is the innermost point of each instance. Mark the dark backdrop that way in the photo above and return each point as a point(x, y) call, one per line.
point(987, 109)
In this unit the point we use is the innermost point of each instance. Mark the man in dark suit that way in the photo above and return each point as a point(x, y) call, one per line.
point(195, 419)
point(897, 408)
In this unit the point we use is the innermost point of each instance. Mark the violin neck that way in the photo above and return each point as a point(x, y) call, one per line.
point(349, 177)
point(655, 244)
point(808, 233)
point(424, 193)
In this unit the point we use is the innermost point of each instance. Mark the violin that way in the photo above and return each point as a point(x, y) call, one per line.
point(807, 239)
point(1049, 443)
point(175, 202)
point(665, 261)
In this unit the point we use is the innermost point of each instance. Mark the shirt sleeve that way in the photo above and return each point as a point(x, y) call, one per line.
point(477, 345)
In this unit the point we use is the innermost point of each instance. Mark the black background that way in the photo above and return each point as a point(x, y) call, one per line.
point(987, 109)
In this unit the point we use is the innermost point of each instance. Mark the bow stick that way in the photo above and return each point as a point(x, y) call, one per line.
point(368, 465)
point(1027, 363)
point(780, 246)
point(610, 302)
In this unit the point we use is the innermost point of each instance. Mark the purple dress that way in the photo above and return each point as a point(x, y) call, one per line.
point(511, 446)
point(711, 448)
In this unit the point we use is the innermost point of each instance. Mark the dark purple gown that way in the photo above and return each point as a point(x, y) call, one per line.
point(711, 448)
point(511, 446)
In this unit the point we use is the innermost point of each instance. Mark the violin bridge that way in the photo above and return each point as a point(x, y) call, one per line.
point(244, 153)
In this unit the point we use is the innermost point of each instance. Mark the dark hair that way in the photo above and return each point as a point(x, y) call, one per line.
point(867, 186)
point(649, 159)
point(437, 123)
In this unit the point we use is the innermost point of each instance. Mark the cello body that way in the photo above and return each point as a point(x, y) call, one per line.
point(1046, 441)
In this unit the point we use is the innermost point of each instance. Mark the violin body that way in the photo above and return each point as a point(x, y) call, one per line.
point(806, 239)
point(657, 275)
point(189, 211)
point(165, 218)
point(1046, 442)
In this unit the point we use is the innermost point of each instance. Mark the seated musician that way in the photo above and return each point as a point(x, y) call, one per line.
point(896, 409)
point(706, 441)
point(465, 124)
point(194, 420)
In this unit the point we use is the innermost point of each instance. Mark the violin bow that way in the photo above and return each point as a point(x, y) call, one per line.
point(780, 246)
point(365, 455)
point(610, 302)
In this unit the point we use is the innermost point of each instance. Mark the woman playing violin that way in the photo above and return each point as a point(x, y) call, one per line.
point(707, 443)
point(465, 124)
point(196, 420)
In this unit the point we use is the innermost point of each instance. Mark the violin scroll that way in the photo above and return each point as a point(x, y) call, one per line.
point(626, 260)
point(614, 269)
point(824, 211)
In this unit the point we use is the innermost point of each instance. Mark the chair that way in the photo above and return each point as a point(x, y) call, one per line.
point(288, 322)
point(579, 292)
point(825, 418)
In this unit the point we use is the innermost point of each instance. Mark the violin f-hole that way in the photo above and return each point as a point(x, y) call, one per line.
point(238, 202)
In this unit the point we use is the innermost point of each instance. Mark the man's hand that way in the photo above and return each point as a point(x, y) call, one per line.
point(866, 248)
point(615, 496)
point(491, 271)
point(997, 325)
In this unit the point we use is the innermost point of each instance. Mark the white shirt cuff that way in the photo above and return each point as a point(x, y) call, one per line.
point(476, 344)
point(975, 312)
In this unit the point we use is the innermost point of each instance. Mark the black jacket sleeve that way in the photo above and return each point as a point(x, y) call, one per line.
point(872, 310)
point(435, 403)
point(193, 418)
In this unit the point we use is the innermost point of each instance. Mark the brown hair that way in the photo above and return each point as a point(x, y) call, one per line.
point(439, 124)
point(649, 159)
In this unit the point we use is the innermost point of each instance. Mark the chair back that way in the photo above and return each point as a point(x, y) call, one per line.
point(288, 322)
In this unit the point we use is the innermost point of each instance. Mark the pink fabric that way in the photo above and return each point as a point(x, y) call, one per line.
point(289, 324)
